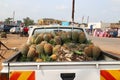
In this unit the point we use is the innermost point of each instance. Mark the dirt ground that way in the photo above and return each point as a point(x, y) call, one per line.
point(13, 42)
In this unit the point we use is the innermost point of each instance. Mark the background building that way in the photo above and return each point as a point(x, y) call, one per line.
point(48, 21)
point(99, 25)
point(115, 25)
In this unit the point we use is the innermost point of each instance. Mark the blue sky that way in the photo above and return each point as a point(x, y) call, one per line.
point(97, 10)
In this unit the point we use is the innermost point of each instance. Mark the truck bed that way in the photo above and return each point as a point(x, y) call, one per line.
point(105, 56)
point(64, 70)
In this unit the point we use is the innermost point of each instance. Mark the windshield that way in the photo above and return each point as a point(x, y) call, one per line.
point(56, 29)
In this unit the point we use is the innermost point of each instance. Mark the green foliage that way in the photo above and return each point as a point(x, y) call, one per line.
point(52, 42)
point(45, 57)
point(78, 52)
point(8, 20)
point(27, 21)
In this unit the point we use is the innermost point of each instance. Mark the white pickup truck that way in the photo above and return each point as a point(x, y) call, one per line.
point(105, 68)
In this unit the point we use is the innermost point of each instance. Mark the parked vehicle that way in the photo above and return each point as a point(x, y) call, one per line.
point(105, 67)
point(6, 28)
point(15, 30)
point(118, 32)
point(1, 28)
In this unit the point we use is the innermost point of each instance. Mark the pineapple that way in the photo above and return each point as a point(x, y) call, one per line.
point(46, 37)
point(58, 40)
point(82, 37)
point(48, 49)
point(31, 53)
point(96, 52)
point(24, 49)
point(40, 48)
point(75, 36)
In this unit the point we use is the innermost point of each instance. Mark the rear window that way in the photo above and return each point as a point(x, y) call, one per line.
point(56, 29)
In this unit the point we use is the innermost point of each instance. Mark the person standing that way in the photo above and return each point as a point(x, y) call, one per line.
point(21, 31)
point(25, 29)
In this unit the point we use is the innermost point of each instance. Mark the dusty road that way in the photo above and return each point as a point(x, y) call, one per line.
point(107, 44)
point(13, 41)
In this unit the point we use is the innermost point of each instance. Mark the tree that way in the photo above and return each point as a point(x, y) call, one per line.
point(27, 21)
point(8, 20)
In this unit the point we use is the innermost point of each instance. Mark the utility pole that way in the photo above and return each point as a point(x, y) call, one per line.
point(87, 19)
point(73, 6)
point(83, 19)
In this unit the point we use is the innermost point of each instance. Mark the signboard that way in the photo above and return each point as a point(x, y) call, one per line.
point(65, 23)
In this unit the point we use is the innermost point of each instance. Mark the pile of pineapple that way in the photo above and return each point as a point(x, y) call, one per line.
point(59, 46)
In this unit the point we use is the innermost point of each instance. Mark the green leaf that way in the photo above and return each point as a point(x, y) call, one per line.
point(78, 52)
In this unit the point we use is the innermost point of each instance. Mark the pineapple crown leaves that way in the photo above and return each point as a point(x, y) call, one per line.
point(78, 52)
point(89, 42)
